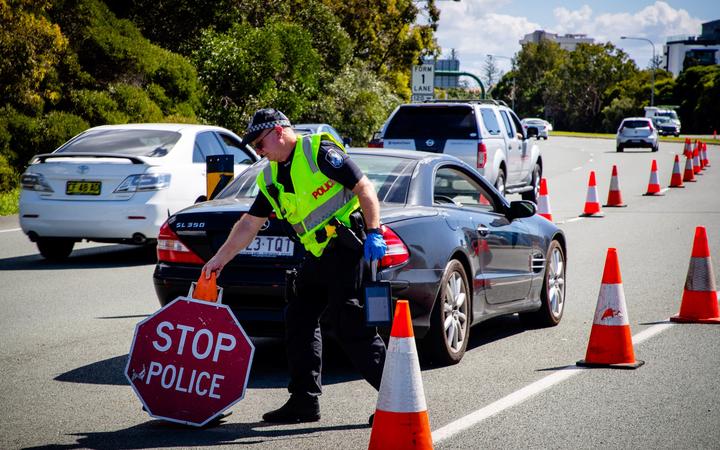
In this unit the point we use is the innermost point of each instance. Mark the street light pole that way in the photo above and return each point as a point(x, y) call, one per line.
point(652, 91)
point(513, 69)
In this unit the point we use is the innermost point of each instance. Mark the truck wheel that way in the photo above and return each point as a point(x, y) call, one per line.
point(500, 182)
point(535, 183)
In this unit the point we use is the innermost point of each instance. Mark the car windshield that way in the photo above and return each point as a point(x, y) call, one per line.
point(635, 124)
point(668, 114)
point(390, 176)
point(439, 122)
point(662, 119)
point(126, 142)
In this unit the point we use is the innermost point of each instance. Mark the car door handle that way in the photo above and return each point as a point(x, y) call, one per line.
point(483, 230)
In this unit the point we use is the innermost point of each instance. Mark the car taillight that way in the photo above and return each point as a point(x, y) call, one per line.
point(377, 144)
point(481, 155)
point(650, 126)
point(397, 252)
point(170, 249)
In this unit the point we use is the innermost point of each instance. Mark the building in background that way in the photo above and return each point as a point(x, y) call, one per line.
point(683, 51)
point(567, 41)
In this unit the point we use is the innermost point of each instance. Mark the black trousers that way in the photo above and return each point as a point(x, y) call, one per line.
point(330, 286)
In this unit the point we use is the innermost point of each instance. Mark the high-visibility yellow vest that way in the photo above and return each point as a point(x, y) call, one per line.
point(317, 199)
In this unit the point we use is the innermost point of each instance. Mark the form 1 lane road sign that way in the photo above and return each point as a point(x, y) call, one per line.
point(189, 361)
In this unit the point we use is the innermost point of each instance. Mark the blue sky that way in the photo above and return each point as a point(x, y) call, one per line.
point(476, 28)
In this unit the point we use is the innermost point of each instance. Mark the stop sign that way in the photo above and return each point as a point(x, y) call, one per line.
point(189, 361)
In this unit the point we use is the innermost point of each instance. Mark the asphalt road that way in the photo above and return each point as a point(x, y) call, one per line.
point(66, 330)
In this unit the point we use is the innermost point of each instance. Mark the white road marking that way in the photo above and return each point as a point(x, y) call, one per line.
point(9, 230)
point(577, 168)
point(574, 220)
point(527, 392)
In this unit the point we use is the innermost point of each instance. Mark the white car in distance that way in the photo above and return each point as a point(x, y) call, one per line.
point(119, 183)
point(542, 126)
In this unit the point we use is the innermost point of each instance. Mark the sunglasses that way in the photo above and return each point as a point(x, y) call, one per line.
point(259, 144)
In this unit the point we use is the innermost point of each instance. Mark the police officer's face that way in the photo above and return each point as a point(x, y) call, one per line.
point(267, 145)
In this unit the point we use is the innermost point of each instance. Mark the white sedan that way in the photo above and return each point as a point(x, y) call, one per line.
point(119, 183)
point(542, 126)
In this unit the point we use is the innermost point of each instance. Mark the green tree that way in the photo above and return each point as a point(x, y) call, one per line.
point(30, 48)
point(698, 91)
point(247, 68)
point(578, 89)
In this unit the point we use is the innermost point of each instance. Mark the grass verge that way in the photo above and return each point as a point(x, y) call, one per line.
point(579, 134)
point(9, 202)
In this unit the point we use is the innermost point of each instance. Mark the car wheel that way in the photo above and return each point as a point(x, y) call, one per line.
point(535, 183)
point(55, 249)
point(500, 182)
point(552, 296)
point(656, 148)
point(450, 321)
point(620, 148)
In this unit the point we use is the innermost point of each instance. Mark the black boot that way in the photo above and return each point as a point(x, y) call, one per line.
point(296, 409)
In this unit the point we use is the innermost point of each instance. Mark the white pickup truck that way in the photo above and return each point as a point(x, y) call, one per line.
point(486, 134)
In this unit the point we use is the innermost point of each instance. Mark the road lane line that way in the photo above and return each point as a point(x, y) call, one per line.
point(523, 394)
point(573, 220)
point(577, 168)
point(9, 230)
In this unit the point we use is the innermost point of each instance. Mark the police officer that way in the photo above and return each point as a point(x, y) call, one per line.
point(311, 183)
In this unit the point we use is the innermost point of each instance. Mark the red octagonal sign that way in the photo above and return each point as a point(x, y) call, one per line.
point(189, 361)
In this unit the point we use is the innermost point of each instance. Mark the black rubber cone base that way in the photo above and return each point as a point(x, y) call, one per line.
point(625, 366)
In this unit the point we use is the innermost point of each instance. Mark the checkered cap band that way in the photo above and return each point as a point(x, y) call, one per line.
point(266, 125)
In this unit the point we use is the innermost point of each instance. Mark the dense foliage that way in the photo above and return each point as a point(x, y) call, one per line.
point(593, 87)
point(66, 65)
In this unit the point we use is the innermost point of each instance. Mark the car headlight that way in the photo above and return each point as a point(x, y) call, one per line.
point(35, 182)
point(144, 182)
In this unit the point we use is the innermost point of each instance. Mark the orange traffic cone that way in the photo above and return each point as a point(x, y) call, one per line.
point(689, 174)
point(699, 301)
point(676, 180)
point(614, 195)
point(654, 182)
point(592, 205)
point(401, 419)
point(610, 339)
point(687, 151)
point(696, 159)
point(206, 289)
point(543, 208)
point(705, 161)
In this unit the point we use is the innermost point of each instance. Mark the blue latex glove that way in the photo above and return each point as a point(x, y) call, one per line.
point(375, 246)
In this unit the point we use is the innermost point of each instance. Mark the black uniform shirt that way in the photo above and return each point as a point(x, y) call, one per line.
point(332, 162)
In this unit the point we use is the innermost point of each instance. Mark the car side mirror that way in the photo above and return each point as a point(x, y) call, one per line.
point(521, 208)
point(532, 131)
point(347, 141)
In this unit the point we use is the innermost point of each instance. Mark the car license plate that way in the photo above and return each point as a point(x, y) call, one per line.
point(83, 188)
point(268, 246)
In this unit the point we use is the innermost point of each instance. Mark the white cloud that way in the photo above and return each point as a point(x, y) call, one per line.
point(655, 22)
point(473, 30)
point(478, 27)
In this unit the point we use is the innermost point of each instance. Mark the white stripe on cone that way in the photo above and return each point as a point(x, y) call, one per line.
point(654, 177)
point(544, 205)
point(401, 388)
point(611, 309)
point(614, 183)
point(592, 195)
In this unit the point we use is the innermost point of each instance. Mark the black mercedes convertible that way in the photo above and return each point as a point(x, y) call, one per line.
point(457, 250)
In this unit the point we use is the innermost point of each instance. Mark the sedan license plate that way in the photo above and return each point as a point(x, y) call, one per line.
point(83, 188)
point(268, 246)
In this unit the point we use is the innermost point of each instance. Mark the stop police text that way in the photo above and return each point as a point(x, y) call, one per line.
point(203, 345)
